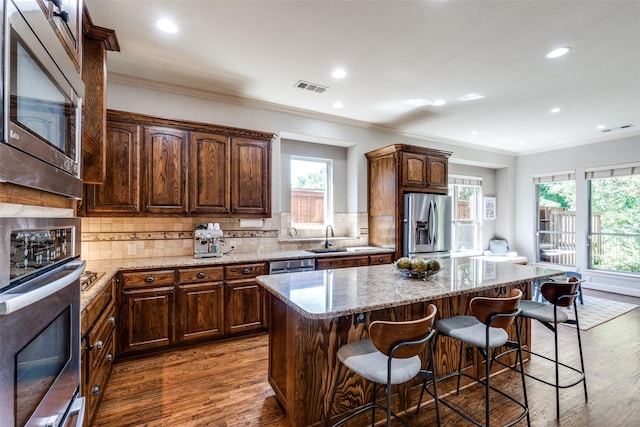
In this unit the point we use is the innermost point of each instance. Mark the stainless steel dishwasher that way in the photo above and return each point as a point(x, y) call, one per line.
point(292, 265)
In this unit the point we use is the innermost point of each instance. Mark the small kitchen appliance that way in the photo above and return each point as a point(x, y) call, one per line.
point(207, 241)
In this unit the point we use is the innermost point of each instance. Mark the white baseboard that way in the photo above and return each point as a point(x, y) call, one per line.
point(611, 288)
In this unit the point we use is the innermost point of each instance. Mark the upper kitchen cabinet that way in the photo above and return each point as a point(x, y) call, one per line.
point(393, 171)
point(210, 173)
point(121, 190)
point(96, 42)
point(186, 168)
point(164, 153)
point(251, 177)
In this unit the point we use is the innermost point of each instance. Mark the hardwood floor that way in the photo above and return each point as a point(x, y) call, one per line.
point(224, 384)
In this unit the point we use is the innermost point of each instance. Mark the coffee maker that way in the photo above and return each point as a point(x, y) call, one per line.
point(207, 241)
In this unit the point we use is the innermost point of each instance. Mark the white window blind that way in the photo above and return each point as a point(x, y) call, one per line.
point(555, 177)
point(465, 180)
point(612, 171)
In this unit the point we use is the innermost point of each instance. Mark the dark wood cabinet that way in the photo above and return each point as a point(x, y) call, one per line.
point(345, 261)
point(210, 156)
point(244, 297)
point(96, 42)
point(146, 311)
point(251, 177)
point(120, 192)
point(164, 153)
point(184, 168)
point(393, 171)
point(98, 324)
point(199, 304)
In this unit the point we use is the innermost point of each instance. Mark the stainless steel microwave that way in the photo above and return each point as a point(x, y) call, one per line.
point(42, 102)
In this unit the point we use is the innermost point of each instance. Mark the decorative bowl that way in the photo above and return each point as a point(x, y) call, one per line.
point(411, 274)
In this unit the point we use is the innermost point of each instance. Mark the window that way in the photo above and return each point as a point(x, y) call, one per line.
point(311, 191)
point(556, 218)
point(614, 228)
point(466, 225)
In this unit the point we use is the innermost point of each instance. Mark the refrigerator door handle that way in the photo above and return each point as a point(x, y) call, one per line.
point(435, 223)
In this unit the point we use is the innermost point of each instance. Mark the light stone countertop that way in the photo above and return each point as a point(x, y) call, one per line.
point(111, 267)
point(326, 294)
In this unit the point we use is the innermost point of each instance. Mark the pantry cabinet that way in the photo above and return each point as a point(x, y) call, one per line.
point(393, 171)
point(184, 168)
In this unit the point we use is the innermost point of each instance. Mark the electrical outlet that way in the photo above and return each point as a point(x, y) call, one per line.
point(359, 318)
point(232, 244)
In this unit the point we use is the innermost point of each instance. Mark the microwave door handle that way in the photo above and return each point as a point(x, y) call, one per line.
point(10, 303)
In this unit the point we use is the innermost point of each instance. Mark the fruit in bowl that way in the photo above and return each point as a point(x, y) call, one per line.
point(419, 268)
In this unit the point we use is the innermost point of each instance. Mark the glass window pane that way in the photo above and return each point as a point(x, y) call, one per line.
point(614, 228)
point(309, 191)
point(465, 224)
point(556, 222)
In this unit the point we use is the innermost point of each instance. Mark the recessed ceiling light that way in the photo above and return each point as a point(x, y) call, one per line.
point(339, 74)
point(474, 132)
point(523, 142)
point(471, 97)
point(600, 127)
point(167, 26)
point(418, 102)
point(558, 52)
point(555, 110)
point(439, 102)
point(338, 104)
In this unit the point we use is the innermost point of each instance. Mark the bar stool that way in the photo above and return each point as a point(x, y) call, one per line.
point(560, 295)
point(486, 330)
point(390, 356)
point(535, 288)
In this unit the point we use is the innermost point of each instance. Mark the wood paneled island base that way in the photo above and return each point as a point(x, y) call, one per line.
point(312, 314)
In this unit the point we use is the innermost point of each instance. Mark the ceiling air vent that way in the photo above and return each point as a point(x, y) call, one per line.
point(311, 86)
point(617, 128)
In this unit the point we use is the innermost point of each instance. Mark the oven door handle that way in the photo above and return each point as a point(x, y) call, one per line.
point(10, 303)
point(76, 408)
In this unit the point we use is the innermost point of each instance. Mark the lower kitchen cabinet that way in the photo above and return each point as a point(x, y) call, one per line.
point(146, 310)
point(245, 308)
point(98, 347)
point(164, 308)
point(352, 261)
point(199, 304)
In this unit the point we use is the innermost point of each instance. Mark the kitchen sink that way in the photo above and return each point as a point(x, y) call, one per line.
point(326, 250)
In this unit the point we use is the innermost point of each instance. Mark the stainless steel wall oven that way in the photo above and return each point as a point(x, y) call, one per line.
point(42, 102)
point(40, 322)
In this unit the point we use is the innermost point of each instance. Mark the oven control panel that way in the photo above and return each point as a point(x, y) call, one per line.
point(31, 250)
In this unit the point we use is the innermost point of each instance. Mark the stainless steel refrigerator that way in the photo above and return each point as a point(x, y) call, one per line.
point(427, 225)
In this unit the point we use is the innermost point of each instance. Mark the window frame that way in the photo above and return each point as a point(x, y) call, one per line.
point(454, 187)
point(328, 192)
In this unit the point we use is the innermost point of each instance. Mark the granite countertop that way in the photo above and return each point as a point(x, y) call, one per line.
point(111, 267)
point(328, 294)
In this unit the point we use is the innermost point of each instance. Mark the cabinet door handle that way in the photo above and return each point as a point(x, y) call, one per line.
point(99, 344)
point(246, 271)
point(202, 275)
point(62, 15)
point(380, 259)
point(95, 390)
point(150, 279)
point(112, 320)
point(109, 357)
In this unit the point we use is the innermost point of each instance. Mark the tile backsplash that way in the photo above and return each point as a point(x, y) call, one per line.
point(118, 238)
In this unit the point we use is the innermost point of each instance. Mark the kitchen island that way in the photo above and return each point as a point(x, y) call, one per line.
point(312, 314)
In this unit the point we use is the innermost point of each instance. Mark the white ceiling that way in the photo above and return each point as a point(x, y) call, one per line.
point(397, 50)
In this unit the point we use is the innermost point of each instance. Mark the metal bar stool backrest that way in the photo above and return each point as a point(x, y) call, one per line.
point(386, 335)
point(485, 309)
point(562, 294)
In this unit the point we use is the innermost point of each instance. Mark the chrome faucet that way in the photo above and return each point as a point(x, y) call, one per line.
point(326, 237)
